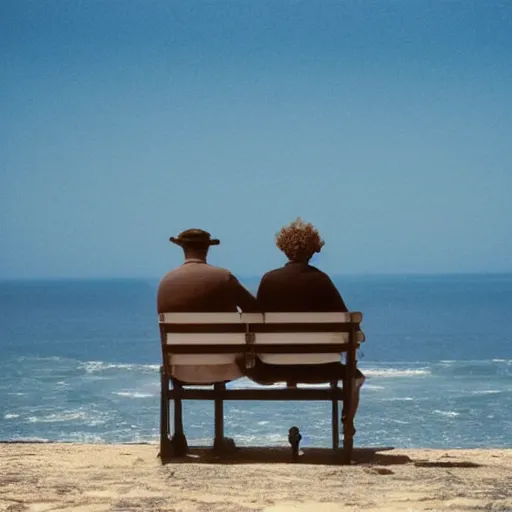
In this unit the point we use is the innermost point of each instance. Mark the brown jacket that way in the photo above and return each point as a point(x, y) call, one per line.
point(199, 287)
point(196, 287)
point(298, 287)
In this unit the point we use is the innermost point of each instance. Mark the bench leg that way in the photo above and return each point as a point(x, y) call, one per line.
point(221, 444)
point(178, 441)
point(219, 414)
point(218, 440)
point(165, 442)
point(335, 419)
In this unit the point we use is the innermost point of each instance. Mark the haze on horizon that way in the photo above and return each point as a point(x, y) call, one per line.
point(386, 124)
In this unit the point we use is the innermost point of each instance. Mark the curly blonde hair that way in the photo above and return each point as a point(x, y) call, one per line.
point(299, 240)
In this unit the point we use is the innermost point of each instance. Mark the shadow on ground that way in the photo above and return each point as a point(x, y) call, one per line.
point(438, 464)
point(283, 455)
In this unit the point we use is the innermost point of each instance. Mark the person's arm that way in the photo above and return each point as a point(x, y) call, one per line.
point(333, 300)
point(262, 294)
point(244, 299)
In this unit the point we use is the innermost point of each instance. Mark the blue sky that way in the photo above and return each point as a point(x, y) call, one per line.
point(386, 124)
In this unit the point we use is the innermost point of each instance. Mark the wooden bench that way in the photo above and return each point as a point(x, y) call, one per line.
point(277, 338)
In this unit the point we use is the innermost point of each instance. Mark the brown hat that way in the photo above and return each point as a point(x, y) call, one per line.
point(194, 236)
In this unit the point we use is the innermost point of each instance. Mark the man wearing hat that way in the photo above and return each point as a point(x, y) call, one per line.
point(196, 286)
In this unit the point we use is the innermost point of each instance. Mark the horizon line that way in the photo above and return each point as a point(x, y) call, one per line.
point(254, 276)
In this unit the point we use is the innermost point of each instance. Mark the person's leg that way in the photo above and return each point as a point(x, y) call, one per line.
point(354, 402)
point(360, 378)
point(265, 374)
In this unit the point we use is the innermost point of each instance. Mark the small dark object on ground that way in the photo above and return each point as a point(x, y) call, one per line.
point(294, 438)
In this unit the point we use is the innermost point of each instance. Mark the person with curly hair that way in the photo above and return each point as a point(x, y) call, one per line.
point(300, 287)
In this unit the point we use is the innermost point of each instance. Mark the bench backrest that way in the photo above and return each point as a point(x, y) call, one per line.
point(217, 336)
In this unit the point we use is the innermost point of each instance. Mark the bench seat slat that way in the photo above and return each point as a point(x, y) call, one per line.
point(258, 318)
point(238, 338)
point(307, 318)
point(303, 328)
point(203, 328)
point(298, 338)
point(210, 318)
point(267, 348)
point(206, 338)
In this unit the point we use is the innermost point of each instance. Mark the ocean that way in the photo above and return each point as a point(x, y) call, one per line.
point(79, 362)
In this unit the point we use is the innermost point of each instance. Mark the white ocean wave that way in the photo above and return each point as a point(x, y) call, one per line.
point(132, 394)
point(59, 417)
point(399, 399)
point(201, 441)
point(450, 414)
point(29, 439)
point(373, 387)
point(247, 383)
point(11, 416)
point(100, 366)
point(427, 363)
point(87, 417)
point(487, 392)
point(39, 359)
point(394, 372)
point(474, 361)
point(325, 385)
point(82, 437)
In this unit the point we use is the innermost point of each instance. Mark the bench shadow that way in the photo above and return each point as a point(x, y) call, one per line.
point(446, 464)
point(282, 455)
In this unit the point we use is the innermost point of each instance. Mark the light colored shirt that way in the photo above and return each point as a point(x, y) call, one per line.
point(198, 287)
point(206, 374)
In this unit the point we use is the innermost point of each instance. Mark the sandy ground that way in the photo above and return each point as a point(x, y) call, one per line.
point(96, 478)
